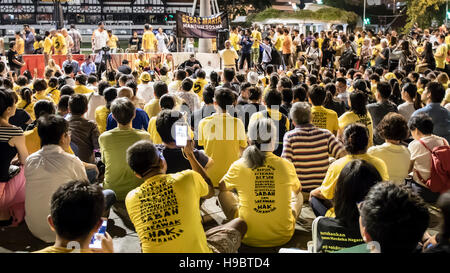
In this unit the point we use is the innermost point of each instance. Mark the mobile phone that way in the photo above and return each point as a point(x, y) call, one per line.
point(181, 134)
point(152, 72)
point(95, 240)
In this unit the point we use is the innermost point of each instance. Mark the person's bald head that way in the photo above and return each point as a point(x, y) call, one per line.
point(125, 92)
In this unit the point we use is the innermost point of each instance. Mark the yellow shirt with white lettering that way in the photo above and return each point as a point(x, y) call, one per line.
point(329, 183)
point(222, 137)
point(325, 118)
point(350, 117)
point(265, 199)
point(166, 214)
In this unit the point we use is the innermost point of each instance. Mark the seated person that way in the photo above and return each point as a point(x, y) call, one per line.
point(75, 216)
point(173, 223)
point(188, 96)
point(393, 129)
point(422, 127)
point(152, 108)
point(113, 145)
point(141, 118)
point(167, 102)
point(356, 140)
point(102, 112)
point(21, 118)
point(80, 85)
point(269, 193)
point(46, 170)
point(173, 154)
point(354, 182)
point(440, 243)
point(392, 220)
point(322, 117)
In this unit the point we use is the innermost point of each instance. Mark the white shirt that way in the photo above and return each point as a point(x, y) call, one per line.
point(69, 41)
point(406, 109)
point(45, 171)
point(100, 39)
point(396, 158)
point(94, 101)
point(145, 91)
point(422, 157)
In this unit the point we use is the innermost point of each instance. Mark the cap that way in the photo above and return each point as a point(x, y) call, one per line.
point(252, 77)
point(145, 77)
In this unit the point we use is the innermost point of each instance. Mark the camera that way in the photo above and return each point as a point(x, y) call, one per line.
point(106, 48)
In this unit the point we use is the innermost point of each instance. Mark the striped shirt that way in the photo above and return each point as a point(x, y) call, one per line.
point(7, 152)
point(6, 133)
point(309, 148)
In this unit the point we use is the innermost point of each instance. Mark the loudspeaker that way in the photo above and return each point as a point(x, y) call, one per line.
point(222, 36)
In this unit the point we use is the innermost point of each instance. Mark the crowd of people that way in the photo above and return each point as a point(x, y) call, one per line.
point(357, 125)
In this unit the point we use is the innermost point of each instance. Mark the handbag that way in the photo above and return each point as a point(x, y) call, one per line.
point(13, 171)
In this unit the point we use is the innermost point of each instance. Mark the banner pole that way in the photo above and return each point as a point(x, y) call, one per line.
point(204, 45)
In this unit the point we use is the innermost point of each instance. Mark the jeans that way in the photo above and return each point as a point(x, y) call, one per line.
point(255, 55)
point(427, 195)
point(245, 56)
point(320, 206)
point(110, 199)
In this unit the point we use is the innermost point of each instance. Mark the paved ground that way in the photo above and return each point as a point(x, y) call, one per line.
point(125, 239)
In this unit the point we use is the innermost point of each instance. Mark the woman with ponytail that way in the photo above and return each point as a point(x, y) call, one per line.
point(412, 100)
point(356, 140)
point(26, 101)
point(269, 193)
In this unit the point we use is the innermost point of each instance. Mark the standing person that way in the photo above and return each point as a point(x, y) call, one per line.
point(112, 41)
point(149, 41)
point(229, 56)
point(29, 39)
point(313, 55)
point(267, 52)
point(99, 38)
point(20, 43)
point(48, 44)
point(257, 39)
point(382, 59)
point(441, 54)
point(162, 39)
point(246, 43)
point(327, 53)
point(14, 61)
point(59, 43)
point(135, 42)
point(287, 49)
point(69, 40)
point(12, 183)
point(76, 38)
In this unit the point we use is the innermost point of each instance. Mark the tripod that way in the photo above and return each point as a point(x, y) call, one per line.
point(105, 63)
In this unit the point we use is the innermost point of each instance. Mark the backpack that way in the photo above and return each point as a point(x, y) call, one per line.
point(275, 56)
point(439, 180)
point(281, 128)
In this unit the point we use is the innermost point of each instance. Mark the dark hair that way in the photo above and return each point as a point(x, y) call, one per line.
point(201, 73)
point(76, 209)
point(285, 82)
point(6, 100)
point(312, 79)
point(160, 89)
point(214, 78)
point(270, 68)
point(53, 82)
point(274, 79)
point(356, 138)
point(393, 127)
point(187, 84)
point(353, 184)
point(51, 128)
point(78, 104)
point(272, 98)
point(92, 79)
point(228, 74)
point(358, 102)
point(384, 89)
point(133, 85)
point(394, 217)
point(63, 103)
point(123, 110)
point(110, 95)
point(68, 69)
point(22, 81)
point(299, 93)
point(411, 90)
point(422, 122)
point(317, 95)
point(208, 94)
point(396, 95)
point(67, 90)
point(167, 102)
point(287, 95)
point(164, 124)
point(43, 107)
point(102, 86)
point(330, 92)
point(26, 94)
point(437, 92)
point(180, 75)
point(142, 157)
point(224, 97)
point(39, 85)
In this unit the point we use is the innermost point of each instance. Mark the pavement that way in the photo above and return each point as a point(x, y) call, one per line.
point(125, 239)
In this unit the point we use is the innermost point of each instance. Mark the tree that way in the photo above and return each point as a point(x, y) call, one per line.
point(241, 7)
point(423, 12)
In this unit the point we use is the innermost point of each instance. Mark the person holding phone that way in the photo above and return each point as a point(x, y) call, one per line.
point(76, 216)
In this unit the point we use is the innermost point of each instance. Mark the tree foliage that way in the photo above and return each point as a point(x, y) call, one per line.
point(241, 7)
point(423, 12)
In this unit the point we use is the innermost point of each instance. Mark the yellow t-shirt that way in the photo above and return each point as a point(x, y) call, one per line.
point(42, 96)
point(154, 135)
point(140, 65)
point(148, 41)
point(33, 141)
point(234, 40)
point(325, 118)
point(199, 86)
point(152, 108)
point(274, 114)
point(222, 137)
point(320, 42)
point(20, 43)
point(59, 43)
point(48, 43)
point(29, 108)
point(82, 89)
point(257, 38)
point(350, 117)
point(279, 43)
point(101, 116)
point(112, 41)
point(54, 94)
point(329, 183)
point(440, 61)
point(165, 212)
point(265, 199)
point(229, 58)
point(447, 96)
point(54, 249)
